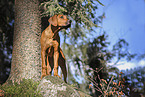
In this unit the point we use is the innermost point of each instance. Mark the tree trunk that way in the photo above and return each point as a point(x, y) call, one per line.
point(26, 61)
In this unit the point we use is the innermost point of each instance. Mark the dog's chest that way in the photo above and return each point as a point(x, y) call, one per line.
point(49, 33)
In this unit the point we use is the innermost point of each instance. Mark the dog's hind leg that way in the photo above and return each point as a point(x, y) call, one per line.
point(62, 64)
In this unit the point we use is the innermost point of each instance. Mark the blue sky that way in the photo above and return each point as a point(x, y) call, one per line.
point(126, 19)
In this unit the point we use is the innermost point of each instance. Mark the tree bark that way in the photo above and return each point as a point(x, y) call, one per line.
point(26, 61)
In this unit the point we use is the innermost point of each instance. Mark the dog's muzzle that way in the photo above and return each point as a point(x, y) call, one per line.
point(68, 24)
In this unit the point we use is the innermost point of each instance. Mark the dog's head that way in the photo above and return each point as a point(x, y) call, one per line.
point(60, 20)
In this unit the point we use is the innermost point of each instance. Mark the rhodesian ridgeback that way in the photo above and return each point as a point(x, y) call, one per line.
point(50, 46)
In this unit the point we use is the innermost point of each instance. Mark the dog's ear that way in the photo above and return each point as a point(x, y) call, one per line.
point(53, 20)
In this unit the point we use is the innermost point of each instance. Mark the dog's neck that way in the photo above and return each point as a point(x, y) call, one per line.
point(55, 29)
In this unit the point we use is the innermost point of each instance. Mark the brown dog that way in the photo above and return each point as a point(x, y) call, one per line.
point(50, 46)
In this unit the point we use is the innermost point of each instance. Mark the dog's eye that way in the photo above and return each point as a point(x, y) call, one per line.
point(61, 17)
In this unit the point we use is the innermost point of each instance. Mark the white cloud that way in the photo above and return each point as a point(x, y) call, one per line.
point(126, 65)
point(123, 65)
point(142, 63)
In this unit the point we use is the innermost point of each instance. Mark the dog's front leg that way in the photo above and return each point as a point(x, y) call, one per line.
point(43, 64)
point(56, 56)
point(48, 66)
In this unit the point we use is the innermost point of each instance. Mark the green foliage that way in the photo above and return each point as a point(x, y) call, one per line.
point(82, 12)
point(51, 8)
point(26, 88)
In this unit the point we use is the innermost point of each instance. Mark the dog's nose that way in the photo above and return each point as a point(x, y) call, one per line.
point(70, 21)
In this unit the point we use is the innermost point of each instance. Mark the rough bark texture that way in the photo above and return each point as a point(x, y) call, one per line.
point(26, 62)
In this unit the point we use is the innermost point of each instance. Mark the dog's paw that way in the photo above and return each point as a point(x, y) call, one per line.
point(43, 75)
point(48, 73)
point(57, 75)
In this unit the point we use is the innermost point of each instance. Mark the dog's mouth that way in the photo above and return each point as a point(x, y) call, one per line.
point(68, 24)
